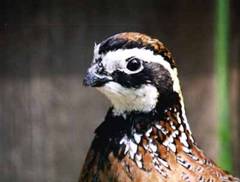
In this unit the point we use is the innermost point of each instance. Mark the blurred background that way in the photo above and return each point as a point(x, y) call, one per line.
point(47, 118)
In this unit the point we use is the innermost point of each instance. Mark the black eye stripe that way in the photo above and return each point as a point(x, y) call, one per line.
point(149, 75)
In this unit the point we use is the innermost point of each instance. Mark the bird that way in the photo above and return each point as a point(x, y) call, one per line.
point(145, 135)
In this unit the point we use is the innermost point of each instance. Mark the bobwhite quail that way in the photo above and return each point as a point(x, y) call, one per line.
point(145, 135)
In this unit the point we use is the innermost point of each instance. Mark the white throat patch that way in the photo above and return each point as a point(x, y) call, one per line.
point(130, 99)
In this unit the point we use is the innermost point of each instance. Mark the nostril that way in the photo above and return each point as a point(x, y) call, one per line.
point(95, 80)
point(102, 71)
point(100, 64)
point(100, 68)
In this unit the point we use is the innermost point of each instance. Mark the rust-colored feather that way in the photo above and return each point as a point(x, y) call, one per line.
point(178, 166)
point(157, 146)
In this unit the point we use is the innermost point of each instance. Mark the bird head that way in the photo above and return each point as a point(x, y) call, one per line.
point(133, 70)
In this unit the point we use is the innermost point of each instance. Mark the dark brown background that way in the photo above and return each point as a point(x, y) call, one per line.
point(47, 118)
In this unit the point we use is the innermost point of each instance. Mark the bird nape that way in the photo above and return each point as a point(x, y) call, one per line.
point(145, 135)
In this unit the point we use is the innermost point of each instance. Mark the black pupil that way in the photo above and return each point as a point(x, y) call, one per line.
point(133, 64)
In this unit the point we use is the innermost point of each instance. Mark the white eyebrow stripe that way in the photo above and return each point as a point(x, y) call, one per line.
point(115, 59)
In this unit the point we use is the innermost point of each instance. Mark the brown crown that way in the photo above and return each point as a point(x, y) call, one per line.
point(128, 40)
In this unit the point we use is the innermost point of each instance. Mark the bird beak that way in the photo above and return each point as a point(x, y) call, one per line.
point(94, 79)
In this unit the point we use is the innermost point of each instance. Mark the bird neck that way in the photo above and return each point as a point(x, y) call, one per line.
point(167, 122)
point(173, 117)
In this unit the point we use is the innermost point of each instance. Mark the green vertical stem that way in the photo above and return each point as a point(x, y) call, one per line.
point(221, 71)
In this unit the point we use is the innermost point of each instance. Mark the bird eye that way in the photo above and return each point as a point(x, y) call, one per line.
point(133, 64)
